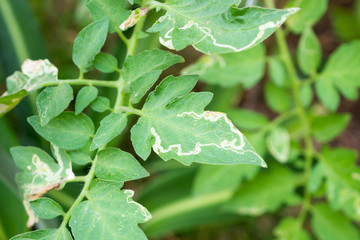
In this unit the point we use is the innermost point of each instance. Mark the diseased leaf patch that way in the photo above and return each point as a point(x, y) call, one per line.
point(180, 129)
point(216, 27)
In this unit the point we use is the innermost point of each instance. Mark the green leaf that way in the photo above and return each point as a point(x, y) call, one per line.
point(39, 173)
point(326, 128)
point(52, 101)
point(180, 129)
point(339, 168)
point(106, 63)
point(278, 73)
point(113, 9)
point(9, 101)
point(79, 157)
point(46, 208)
point(277, 188)
point(310, 13)
point(111, 126)
point(278, 99)
point(45, 234)
point(34, 75)
point(109, 213)
point(346, 25)
point(68, 131)
point(227, 70)
point(340, 73)
point(210, 178)
point(330, 225)
point(141, 71)
point(309, 52)
point(306, 94)
point(290, 229)
point(278, 143)
point(100, 104)
point(116, 165)
point(219, 27)
point(89, 42)
point(84, 97)
point(247, 119)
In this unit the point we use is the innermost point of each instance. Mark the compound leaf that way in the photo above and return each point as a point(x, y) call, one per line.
point(231, 69)
point(100, 104)
point(45, 234)
point(180, 129)
point(278, 143)
point(109, 213)
point(310, 13)
point(46, 208)
point(116, 165)
point(52, 101)
point(341, 74)
point(141, 71)
point(89, 42)
point(291, 229)
point(331, 225)
point(248, 120)
point(106, 63)
point(84, 97)
point(277, 188)
point(111, 126)
point(326, 128)
point(115, 10)
point(278, 99)
point(68, 131)
point(217, 26)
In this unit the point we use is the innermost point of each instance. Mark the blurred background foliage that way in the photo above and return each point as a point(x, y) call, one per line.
point(182, 206)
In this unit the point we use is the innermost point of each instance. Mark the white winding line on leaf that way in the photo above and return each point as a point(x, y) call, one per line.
point(209, 116)
point(144, 211)
point(168, 43)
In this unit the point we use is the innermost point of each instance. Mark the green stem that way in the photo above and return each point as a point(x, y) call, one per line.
point(134, 40)
point(123, 38)
point(88, 179)
point(278, 120)
point(295, 83)
point(90, 82)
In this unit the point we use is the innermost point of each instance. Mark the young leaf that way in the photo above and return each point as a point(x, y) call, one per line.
point(310, 13)
point(248, 120)
point(111, 126)
point(277, 188)
point(180, 129)
point(231, 69)
point(341, 73)
point(278, 143)
point(39, 173)
point(89, 42)
point(211, 178)
point(342, 180)
point(68, 131)
point(278, 73)
point(141, 71)
point(79, 157)
point(34, 75)
point(325, 128)
point(9, 101)
point(46, 208)
point(84, 97)
point(330, 225)
point(106, 63)
point(109, 213)
point(45, 234)
point(52, 101)
point(100, 104)
point(291, 229)
point(306, 94)
point(219, 27)
point(278, 99)
point(309, 52)
point(113, 9)
point(116, 165)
